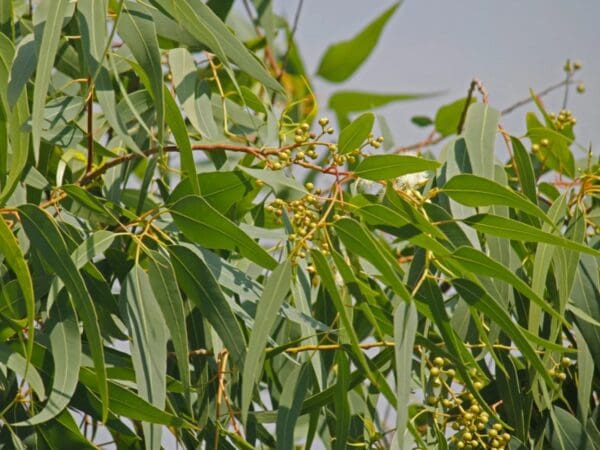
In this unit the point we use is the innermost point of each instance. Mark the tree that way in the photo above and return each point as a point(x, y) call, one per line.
point(190, 255)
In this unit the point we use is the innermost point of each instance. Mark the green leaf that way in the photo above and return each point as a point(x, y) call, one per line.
point(91, 15)
point(65, 345)
point(290, 403)
point(341, 60)
point(201, 287)
point(44, 235)
point(477, 297)
point(138, 31)
point(405, 329)
point(19, 365)
point(384, 167)
point(200, 21)
point(340, 401)
point(480, 130)
point(421, 121)
point(328, 280)
point(48, 45)
point(472, 190)
point(344, 102)
point(177, 125)
point(124, 402)
point(448, 116)
point(166, 291)
point(568, 433)
point(354, 134)
point(524, 170)
point(148, 346)
point(9, 248)
point(360, 242)
point(283, 186)
point(512, 229)
point(556, 155)
point(16, 115)
point(221, 189)
point(203, 224)
point(477, 262)
point(276, 290)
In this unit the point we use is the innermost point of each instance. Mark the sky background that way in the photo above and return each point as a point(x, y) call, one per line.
point(440, 45)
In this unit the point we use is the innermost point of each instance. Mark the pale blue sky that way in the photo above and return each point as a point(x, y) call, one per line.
point(440, 45)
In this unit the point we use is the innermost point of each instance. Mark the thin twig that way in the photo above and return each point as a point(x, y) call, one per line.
point(540, 94)
point(290, 41)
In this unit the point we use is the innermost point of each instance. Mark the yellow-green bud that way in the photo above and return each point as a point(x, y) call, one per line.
point(323, 121)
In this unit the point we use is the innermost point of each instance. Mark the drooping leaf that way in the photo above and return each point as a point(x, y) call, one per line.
point(201, 287)
point(292, 397)
point(199, 20)
point(65, 345)
point(9, 248)
point(44, 234)
point(203, 224)
point(405, 328)
point(512, 229)
point(472, 190)
point(148, 346)
point(341, 60)
point(477, 297)
point(274, 293)
point(137, 29)
point(384, 167)
point(48, 45)
point(166, 292)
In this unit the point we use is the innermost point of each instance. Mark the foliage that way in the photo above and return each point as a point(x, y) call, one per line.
point(188, 255)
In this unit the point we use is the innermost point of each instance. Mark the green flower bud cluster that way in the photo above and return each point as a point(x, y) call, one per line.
point(543, 143)
point(305, 217)
point(563, 119)
point(558, 372)
point(473, 426)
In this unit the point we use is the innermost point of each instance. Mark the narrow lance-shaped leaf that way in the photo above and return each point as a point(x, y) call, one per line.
point(148, 346)
point(477, 262)
point(473, 190)
point(201, 287)
point(341, 60)
point(477, 297)
point(384, 167)
point(203, 224)
point(177, 125)
point(47, 51)
point(328, 281)
point(9, 247)
point(340, 401)
point(290, 404)
point(126, 403)
point(405, 328)
point(274, 293)
point(19, 365)
point(512, 229)
point(200, 21)
point(65, 345)
point(166, 291)
point(45, 237)
point(137, 29)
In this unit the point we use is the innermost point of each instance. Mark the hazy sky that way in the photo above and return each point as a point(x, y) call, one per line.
point(440, 45)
